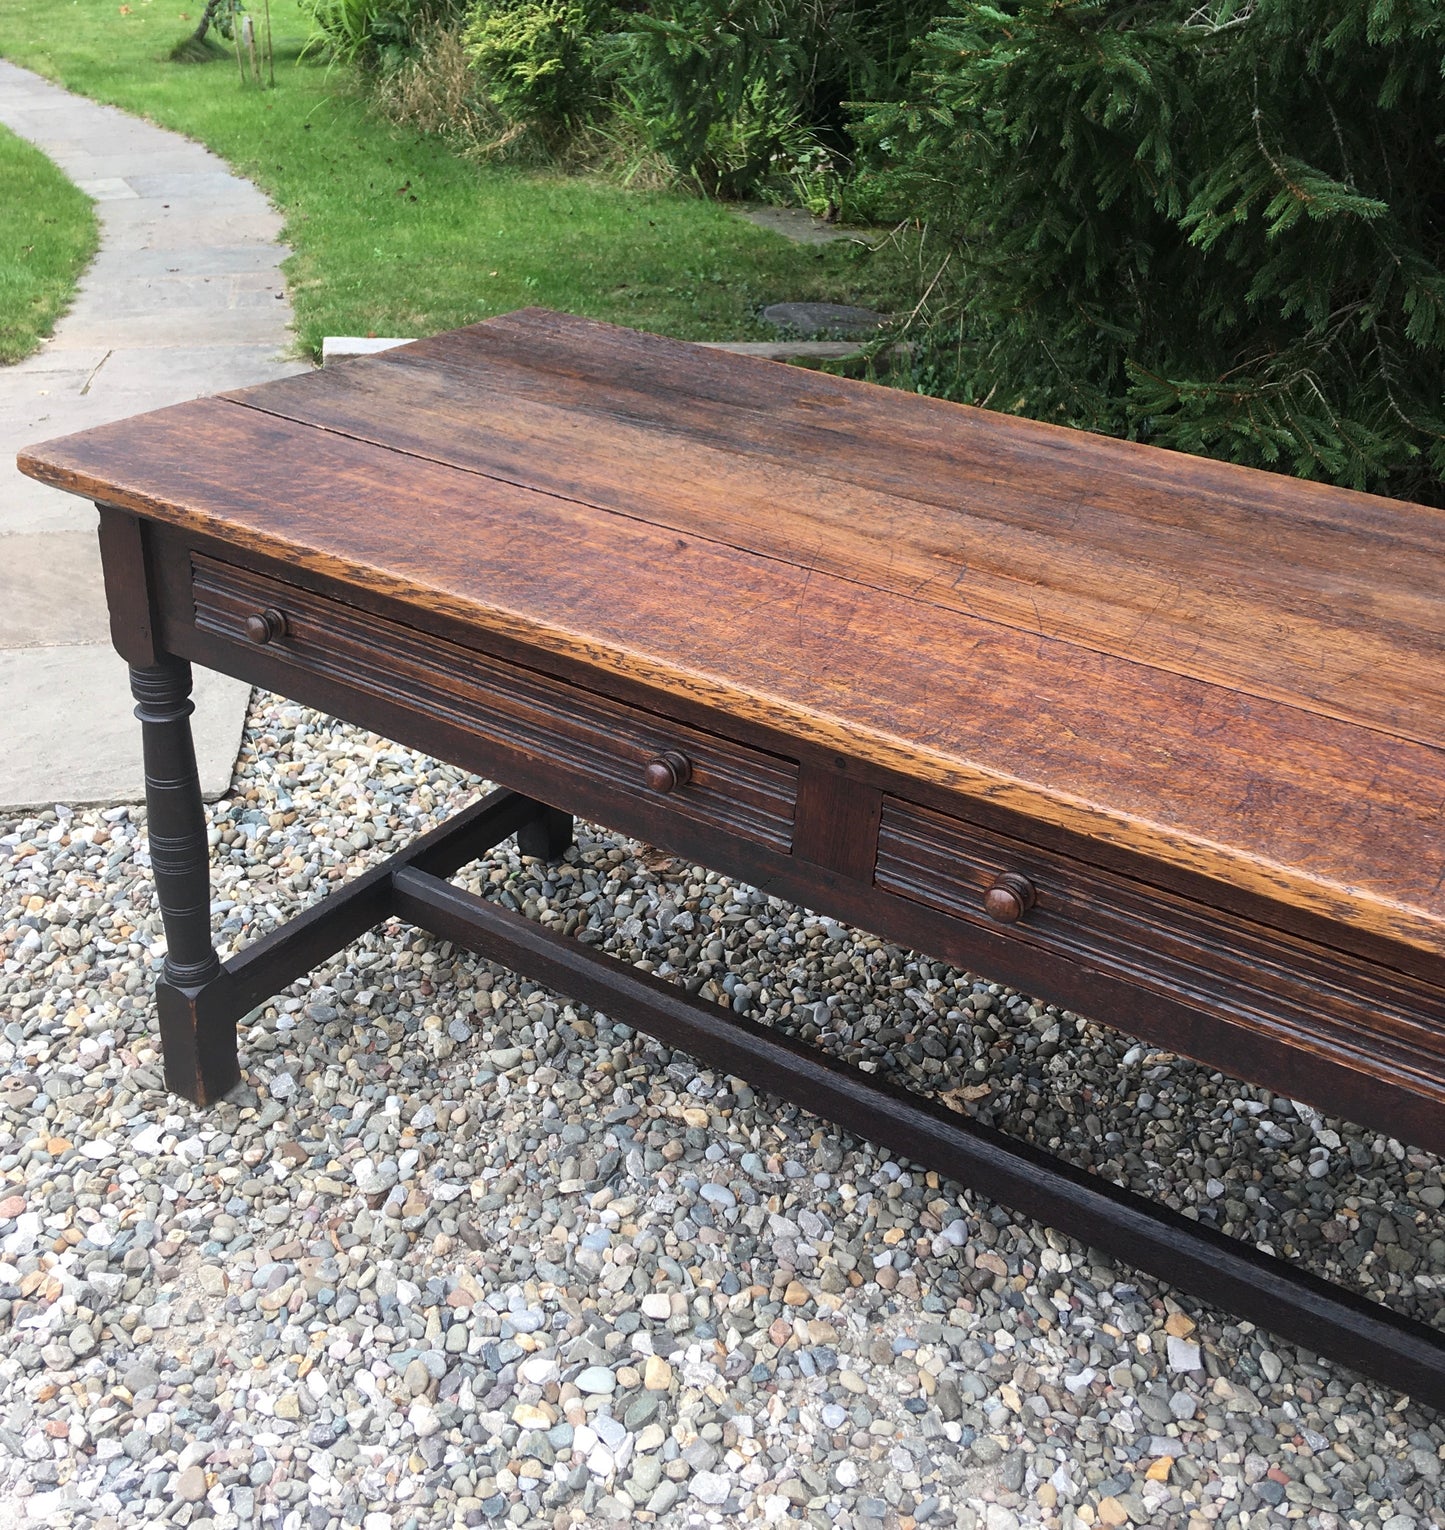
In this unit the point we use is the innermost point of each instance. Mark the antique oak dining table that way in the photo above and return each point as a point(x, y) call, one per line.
point(1152, 737)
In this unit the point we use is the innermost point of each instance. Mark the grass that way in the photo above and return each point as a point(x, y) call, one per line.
point(43, 252)
point(393, 233)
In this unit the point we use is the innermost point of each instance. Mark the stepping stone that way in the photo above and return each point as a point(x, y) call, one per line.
point(823, 319)
point(344, 347)
point(787, 350)
point(797, 224)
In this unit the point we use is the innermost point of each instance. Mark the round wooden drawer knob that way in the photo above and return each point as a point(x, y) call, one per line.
point(668, 771)
point(1009, 899)
point(266, 626)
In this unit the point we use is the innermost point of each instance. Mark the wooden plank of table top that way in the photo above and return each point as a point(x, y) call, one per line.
point(1348, 620)
point(882, 437)
point(1341, 820)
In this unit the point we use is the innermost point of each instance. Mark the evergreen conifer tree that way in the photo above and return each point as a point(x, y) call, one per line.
point(1217, 225)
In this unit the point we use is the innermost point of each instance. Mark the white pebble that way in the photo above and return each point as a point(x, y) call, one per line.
point(709, 1487)
point(538, 1370)
point(1183, 1354)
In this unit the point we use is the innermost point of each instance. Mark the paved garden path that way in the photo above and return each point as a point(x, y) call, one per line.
point(184, 298)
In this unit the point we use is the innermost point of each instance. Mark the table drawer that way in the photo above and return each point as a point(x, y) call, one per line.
point(518, 712)
point(1156, 941)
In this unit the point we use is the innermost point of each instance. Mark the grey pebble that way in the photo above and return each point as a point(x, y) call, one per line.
point(442, 1193)
point(612, 1432)
point(664, 1496)
point(191, 1485)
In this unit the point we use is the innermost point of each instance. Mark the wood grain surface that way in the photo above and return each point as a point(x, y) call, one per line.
point(547, 722)
point(1315, 595)
point(1235, 674)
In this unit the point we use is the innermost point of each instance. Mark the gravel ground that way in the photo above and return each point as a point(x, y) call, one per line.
point(460, 1252)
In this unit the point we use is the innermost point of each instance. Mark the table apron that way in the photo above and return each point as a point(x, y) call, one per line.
point(1207, 1005)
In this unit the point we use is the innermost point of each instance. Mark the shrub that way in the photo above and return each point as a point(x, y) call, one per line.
point(536, 64)
point(730, 95)
point(1217, 226)
point(377, 35)
point(714, 82)
point(434, 89)
point(729, 88)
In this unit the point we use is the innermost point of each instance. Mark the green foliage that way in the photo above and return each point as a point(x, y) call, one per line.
point(376, 34)
point(1215, 226)
point(735, 96)
point(735, 90)
point(536, 61)
point(716, 81)
point(392, 232)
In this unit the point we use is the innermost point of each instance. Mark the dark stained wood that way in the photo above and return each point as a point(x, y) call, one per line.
point(265, 626)
point(1155, 739)
point(1232, 992)
point(1010, 898)
point(198, 1039)
point(127, 587)
point(171, 554)
point(1159, 943)
point(282, 955)
point(667, 772)
point(1404, 1353)
point(547, 836)
point(199, 1052)
point(1304, 810)
point(575, 730)
point(199, 1002)
point(837, 822)
point(1181, 569)
point(175, 819)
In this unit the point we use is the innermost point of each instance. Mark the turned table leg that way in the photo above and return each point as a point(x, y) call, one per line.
point(198, 1033)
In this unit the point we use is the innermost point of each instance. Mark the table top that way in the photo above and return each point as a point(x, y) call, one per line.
point(1234, 673)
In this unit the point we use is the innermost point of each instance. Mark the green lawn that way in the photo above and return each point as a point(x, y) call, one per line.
point(47, 234)
point(395, 235)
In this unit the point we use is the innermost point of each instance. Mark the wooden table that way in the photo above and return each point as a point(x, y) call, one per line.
point(1148, 736)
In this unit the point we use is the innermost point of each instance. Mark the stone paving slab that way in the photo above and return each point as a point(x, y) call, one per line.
point(69, 722)
point(144, 224)
point(106, 188)
point(50, 358)
point(185, 298)
point(176, 219)
point(188, 371)
point(184, 304)
point(31, 508)
point(233, 325)
point(56, 595)
point(109, 163)
point(190, 185)
point(212, 260)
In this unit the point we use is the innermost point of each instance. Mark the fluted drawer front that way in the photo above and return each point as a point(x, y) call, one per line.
point(1156, 940)
point(521, 712)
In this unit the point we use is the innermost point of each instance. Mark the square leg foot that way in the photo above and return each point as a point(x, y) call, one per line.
point(547, 836)
point(198, 1040)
